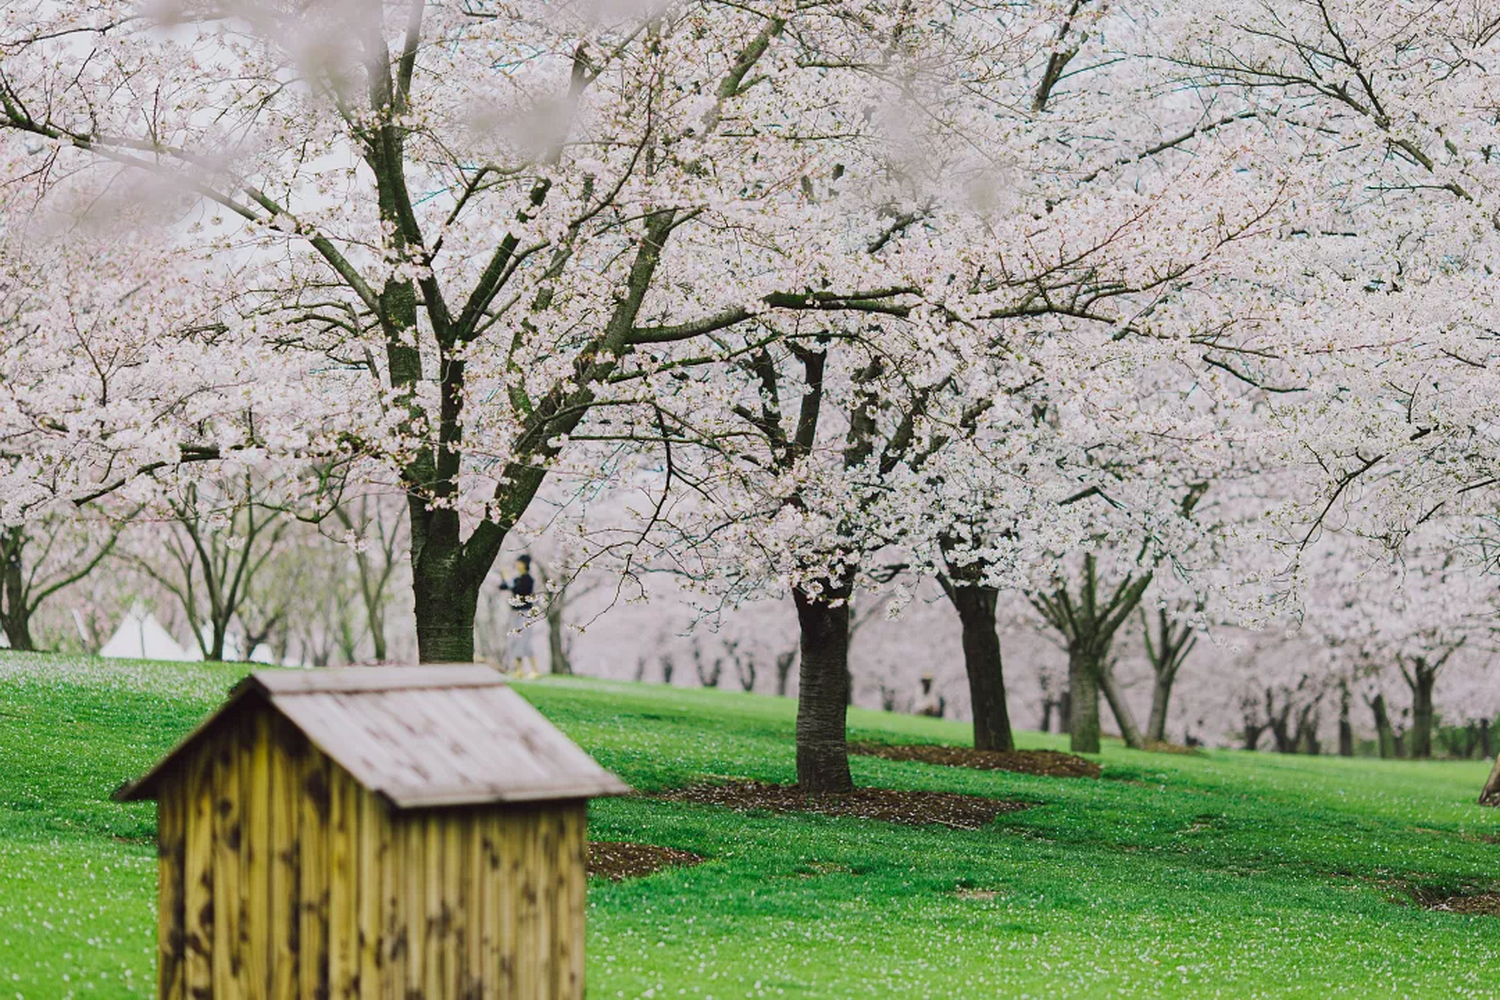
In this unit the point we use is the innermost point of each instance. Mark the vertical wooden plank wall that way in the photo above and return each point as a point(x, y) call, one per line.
point(228, 956)
point(286, 752)
point(282, 877)
point(255, 859)
point(253, 818)
point(492, 902)
point(393, 945)
point(372, 820)
point(498, 965)
point(313, 807)
point(412, 906)
point(573, 898)
point(171, 853)
point(343, 873)
point(198, 875)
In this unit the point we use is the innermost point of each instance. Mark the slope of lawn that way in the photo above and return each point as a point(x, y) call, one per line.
point(1220, 875)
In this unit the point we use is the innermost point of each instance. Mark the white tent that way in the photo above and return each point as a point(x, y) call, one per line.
point(140, 636)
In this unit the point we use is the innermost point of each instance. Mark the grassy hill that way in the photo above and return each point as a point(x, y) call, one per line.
point(1220, 875)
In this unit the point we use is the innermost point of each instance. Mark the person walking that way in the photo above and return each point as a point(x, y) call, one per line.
point(520, 639)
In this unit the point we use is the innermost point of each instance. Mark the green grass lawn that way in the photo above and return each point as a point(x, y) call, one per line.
point(1221, 875)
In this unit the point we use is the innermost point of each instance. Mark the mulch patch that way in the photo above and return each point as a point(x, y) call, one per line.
point(1469, 904)
point(914, 808)
point(1047, 763)
point(617, 860)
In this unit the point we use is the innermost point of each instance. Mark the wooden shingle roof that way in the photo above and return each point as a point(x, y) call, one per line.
point(418, 736)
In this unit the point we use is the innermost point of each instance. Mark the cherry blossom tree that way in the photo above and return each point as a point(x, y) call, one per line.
point(219, 536)
point(1169, 640)
point(492, 219)
point(1405, 617)
point(1376, 311)
point(45, 556)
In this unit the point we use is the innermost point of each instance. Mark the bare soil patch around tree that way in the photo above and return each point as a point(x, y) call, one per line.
point(890, 805)
point(1466, 903)
point(618, 860)
point(1046, 763)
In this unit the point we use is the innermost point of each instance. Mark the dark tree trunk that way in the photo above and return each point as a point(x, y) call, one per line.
point(15, 615)
point(1129, 731)
point(1167, 650)
point(217, 630)
point(1252, 735)
point(1385, 736)
point(1422, 711)
point(823, 696)
point(1083, 707)
point(446, 600)
point(1486, 744)
point(1089, 624)
point(1283, 739)
point(976, 611)
point(1161, 696)
point(1346, 728)
point(1306, 738)
point(1065, 712)
point(1280, 726)
point(1047, 715)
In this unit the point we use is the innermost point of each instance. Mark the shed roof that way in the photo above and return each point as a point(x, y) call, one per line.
point(418, 736)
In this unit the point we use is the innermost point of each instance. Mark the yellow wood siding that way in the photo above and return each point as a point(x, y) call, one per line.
point(282, 877)
point(171, 931)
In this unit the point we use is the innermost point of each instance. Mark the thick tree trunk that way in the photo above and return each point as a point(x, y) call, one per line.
point(1490, 795)
point(17, 617)
point(1065, 712)
point(1083, 703)
point(976, 612)
point(1422, 714)
point(823, 696)
point(1047, 715)
point(445, 606)
point(1161, 696)
point(1252, 735)
point(1120, 707)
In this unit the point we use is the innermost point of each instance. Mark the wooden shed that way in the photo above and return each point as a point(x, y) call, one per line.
point(393, 832)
